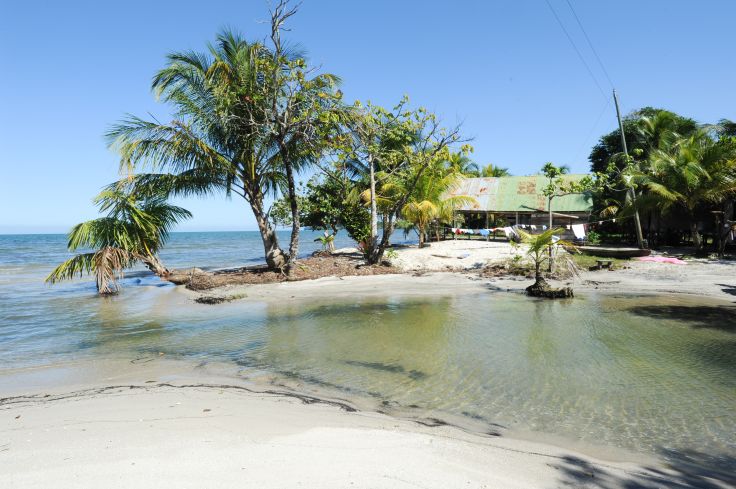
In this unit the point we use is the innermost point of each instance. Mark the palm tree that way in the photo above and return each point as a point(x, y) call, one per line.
point(690, 172)
point(212, 144)
point(660, 130)
point(246, 120)
point(134, 230)
point(461, 163)
point(726, 128)
point(491, 170)
point(430, 200)
point(538, 246)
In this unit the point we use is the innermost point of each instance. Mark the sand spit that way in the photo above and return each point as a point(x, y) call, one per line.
point(453, 266)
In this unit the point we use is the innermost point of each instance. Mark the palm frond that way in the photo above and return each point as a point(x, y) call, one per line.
point(107, 264)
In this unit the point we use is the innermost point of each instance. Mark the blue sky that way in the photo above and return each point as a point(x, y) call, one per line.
point(504, 69)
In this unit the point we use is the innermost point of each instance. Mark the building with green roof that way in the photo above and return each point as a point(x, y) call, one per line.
point(520, 201)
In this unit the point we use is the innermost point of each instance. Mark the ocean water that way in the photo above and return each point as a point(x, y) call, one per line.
point(651, 374)
point(34, 314)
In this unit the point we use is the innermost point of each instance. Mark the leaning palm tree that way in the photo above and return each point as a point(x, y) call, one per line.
point(133, 231)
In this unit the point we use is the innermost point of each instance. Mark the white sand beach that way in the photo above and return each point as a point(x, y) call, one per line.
point(271, 245)
point(455, 254)
point(162, 426)
point(450, 267)
point(223, 436)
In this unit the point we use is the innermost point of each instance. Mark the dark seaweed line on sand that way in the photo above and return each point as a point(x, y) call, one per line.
point(8, 402)
point(17, 401)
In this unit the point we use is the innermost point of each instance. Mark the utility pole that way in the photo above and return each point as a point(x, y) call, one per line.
point(549, 208)
point(631, 191)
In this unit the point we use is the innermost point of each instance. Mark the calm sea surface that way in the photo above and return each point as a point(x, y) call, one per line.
point(649, 374)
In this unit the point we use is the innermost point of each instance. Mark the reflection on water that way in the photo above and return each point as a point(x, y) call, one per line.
point(650, 374)
point(601, 370)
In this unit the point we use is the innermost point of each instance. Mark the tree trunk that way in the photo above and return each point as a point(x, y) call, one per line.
point(275, 258)
point(294, 204)
point(374, 212)
point(725, 227)
point(154, 264)
point(549, 249)
point(695, 235)
point(421, 237)
point(540, 287)
point(388, 228)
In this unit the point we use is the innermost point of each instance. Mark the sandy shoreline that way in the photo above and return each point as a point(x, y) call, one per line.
point(451, 267)
point(223, 435)
point(117, 425)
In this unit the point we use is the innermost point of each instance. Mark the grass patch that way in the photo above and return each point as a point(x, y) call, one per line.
point(586, 262)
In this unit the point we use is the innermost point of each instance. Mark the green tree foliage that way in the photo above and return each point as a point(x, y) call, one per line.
point(324, 204)
point(430, 201)
point(690, 172)
point(554, 176)
point(134, 230)
point(726, 128)
point(558, 185)
point(247, 118)
point(328, 203)
point(538, 246)
point(675, 166)
point(660, 121)
point(619, 190)
point(393, 149)
point(459, 162)
point(491, 170)
point(303, 113)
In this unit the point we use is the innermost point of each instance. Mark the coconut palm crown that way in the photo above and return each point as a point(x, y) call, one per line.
point(134, 230)
point(538, 246)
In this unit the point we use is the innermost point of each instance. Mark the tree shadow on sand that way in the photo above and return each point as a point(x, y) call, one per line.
point(722, 318)
point(728, 289)
point(685, 470)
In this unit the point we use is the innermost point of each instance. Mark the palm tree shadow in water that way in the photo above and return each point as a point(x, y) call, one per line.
point(722, 318)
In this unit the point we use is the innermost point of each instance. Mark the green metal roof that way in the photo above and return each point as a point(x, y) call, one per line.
point(519, 194)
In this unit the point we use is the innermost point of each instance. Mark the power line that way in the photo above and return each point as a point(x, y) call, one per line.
point(593, 128)
point(590, 44)
point(575, 47)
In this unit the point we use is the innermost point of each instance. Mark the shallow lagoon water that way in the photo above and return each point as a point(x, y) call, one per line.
point(648, 374)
